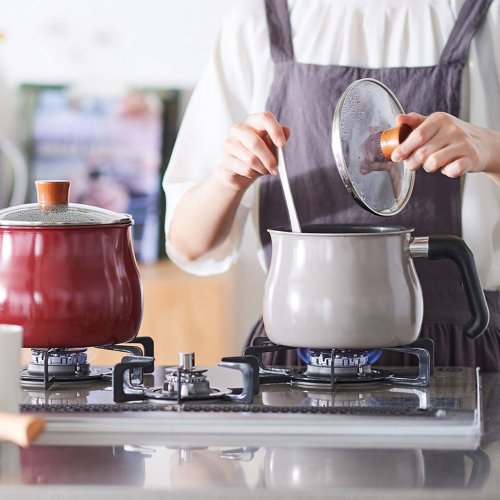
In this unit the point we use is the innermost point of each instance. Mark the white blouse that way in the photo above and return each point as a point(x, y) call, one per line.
point(366, 33)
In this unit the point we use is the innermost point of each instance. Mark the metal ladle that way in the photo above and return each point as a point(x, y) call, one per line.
point(290, 205)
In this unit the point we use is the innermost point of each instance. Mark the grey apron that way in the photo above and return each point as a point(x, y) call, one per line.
point(303, 97)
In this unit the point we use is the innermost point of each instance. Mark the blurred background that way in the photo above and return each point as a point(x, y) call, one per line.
point(94, 91)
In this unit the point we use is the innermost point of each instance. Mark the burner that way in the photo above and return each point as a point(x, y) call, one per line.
point(60, 362)
point(189, 381)
point(348, 367)
point(192, 383)
point(54, 365)
point(58, 365)
point(346, 362)
point(184, 383)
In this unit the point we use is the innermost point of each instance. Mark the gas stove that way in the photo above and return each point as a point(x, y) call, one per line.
point(339, 397)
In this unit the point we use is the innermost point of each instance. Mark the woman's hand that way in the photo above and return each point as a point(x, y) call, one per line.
point(442, 142)
point(205, 214)
point(250, 150)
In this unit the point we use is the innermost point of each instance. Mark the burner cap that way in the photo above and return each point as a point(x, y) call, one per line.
point(59, 361)
point(63, 365)
point(343, 359)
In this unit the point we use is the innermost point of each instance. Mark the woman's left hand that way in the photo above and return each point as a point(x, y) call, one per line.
point(442, 142)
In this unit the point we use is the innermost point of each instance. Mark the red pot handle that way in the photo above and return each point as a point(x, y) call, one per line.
point(51, 193)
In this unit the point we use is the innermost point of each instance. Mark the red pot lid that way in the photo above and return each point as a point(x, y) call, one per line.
point(53, 209)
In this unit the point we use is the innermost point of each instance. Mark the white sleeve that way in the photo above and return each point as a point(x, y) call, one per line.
point(481, 106)
point(222, 97)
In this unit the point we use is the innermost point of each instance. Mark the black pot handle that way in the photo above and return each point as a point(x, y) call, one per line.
point(455, 249)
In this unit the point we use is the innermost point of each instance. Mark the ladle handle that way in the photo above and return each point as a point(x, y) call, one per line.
point(391, 138)
point(292, 213)
point(51, 193)
point(20, 429)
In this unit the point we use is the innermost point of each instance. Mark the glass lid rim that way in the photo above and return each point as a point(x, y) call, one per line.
point(121, 218)
point(336, 144)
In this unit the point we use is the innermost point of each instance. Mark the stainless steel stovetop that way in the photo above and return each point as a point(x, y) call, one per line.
point(444, 415)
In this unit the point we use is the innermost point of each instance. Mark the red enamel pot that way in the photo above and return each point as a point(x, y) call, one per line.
point(68, 274)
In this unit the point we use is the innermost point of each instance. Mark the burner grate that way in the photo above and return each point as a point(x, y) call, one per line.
point(349, 367)
point(304, 379)
point(29, 379)
point(54, 365)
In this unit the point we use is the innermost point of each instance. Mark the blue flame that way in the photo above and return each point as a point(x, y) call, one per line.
point(374, 356)
point(303, 355)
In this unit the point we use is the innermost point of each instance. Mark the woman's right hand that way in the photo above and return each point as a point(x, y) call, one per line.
point(205, 214)
point(250, 150)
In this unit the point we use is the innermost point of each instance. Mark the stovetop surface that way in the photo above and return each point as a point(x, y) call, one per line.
point(449, 388)
point(151, 450)
point(444, 415)
point(174, 463)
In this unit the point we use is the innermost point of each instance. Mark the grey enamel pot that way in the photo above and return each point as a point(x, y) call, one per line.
point(356, 287)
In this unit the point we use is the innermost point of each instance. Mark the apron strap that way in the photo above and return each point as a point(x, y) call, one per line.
point(469, 19)
point(280, 30)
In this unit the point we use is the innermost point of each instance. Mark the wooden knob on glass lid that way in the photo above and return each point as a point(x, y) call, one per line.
point(51, 193)
point(391, 138)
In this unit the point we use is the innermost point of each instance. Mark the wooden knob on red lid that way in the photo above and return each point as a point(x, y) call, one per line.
point(52, 193)
point(391, 138)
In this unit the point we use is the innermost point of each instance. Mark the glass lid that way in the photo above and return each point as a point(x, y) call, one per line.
point(363, 139)
point(53, 209)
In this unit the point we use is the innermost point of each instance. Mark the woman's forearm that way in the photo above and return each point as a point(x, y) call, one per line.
point(204, 217)
point(205, 214)
point(493, 166)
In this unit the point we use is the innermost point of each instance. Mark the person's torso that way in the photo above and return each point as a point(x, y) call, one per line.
point(303, 96)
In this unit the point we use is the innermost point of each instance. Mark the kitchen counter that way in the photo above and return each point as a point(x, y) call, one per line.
point(291, 470)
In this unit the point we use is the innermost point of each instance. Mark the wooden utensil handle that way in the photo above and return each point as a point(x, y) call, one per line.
point(20, 429)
